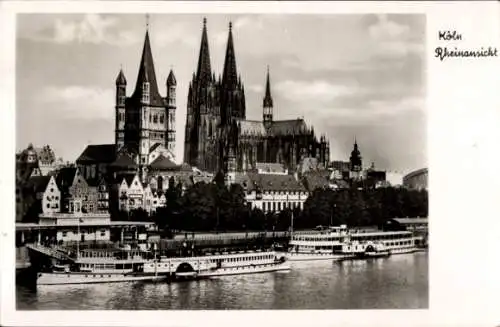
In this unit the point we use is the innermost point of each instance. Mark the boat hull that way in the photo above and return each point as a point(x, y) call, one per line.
point(243, 270)
point(60, 278)
point(293, 256)
point(310, 256)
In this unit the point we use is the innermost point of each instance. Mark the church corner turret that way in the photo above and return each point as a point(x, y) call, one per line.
point(121, 95)
point(171, 109)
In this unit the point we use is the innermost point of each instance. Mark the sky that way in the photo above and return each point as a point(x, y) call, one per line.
point(349, 76)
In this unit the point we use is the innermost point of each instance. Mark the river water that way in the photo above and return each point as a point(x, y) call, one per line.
point(396, 282)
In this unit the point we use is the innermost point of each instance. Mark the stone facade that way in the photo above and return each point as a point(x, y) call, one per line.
point(273, 192)
point(217, 128)
point(145, 119)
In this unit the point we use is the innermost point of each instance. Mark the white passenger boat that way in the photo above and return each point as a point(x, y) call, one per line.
point(220, 264)
point(365, 250)
point(98, 266)
point(328, 244)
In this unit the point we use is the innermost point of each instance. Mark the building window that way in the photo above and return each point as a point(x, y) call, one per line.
point(64, 234)
point(162, 119)
point(48, 205)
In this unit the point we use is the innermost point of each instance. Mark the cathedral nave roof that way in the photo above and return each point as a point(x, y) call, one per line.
point(288, 127)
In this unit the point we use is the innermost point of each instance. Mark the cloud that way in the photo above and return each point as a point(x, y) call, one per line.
point(370, 112)
point(257, 88)
point(386, 29)
point(89, 29)
point(80, 102)
point(175, 33)
point(319, 90)
point(393, 39)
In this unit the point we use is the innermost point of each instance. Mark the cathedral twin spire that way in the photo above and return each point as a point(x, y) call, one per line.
point(204, 72)
point(230, 75)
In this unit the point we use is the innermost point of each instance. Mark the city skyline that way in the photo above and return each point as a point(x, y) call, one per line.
point(372, 89)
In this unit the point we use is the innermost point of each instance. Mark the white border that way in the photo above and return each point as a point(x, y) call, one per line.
point(464, 117)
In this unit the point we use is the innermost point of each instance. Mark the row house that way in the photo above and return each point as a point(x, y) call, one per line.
point(133, 195)
point(78, 195)
point(41, 196)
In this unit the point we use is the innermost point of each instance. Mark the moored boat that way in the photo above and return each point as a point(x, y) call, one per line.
point(328, 244)
point(93, 266)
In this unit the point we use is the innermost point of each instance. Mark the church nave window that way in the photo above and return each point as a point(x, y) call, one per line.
point(161, 119)
point(155, 119)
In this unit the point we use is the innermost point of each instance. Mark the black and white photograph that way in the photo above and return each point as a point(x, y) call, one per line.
point(211, 158)
point(221, 162)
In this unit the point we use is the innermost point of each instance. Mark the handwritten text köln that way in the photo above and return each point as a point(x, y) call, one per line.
point(449, 36)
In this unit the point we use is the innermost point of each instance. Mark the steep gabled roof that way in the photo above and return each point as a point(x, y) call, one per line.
point(288, 127)
point(269, 182)
point(98, 153)
point(314, 180)
point(124, 161)
point(163, 163)
point(38, 183)
point(147, 74)
point(65, 178)
point(252, 128)
point(270, 167)
point(154, 147)
point(128, 179)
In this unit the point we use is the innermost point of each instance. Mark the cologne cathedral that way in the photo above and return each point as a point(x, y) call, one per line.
point(218, 136)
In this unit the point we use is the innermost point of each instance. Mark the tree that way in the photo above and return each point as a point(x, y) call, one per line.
point(257, 219)
point(364, 207)
point(199, 207)
point(139, 214)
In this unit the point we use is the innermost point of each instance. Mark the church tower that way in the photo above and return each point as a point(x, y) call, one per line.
point(145, 122)
point(267, 104)
point(355, 159)
point(232, 91)
point(171, 108)
point(203, 114)
point(121, 95)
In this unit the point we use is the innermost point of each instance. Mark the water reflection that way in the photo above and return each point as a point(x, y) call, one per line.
point(400, 281)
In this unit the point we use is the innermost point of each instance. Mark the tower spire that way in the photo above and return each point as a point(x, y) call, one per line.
point(147, 73)
point(267, 105)
point(268, 99)
point(204, 72)
point(230, 74)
